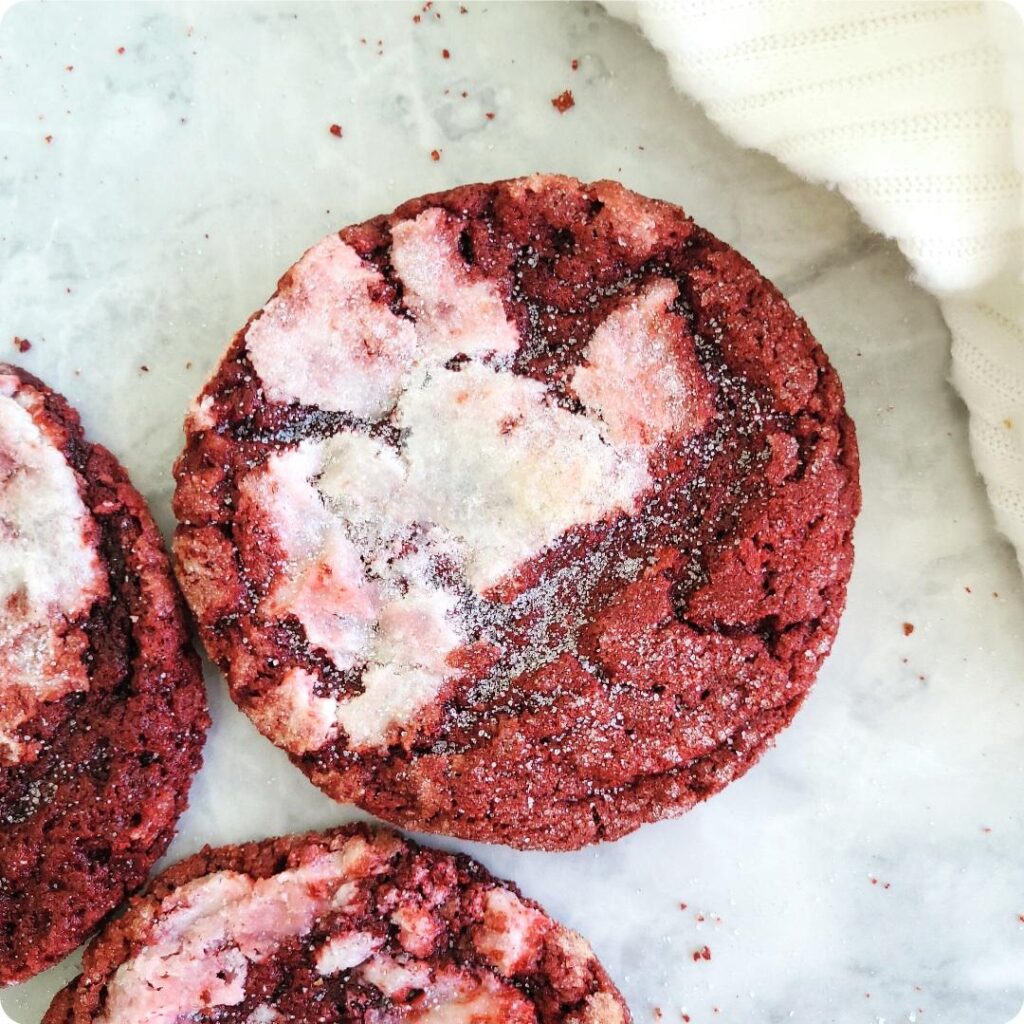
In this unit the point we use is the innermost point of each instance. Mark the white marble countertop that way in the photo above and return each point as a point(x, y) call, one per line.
point(870, 868)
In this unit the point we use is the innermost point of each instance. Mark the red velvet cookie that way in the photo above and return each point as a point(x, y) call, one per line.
point(353, 926)
point(522, 514)
point(102, 705)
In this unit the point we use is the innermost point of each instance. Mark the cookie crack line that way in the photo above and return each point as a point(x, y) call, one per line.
point(504, 500)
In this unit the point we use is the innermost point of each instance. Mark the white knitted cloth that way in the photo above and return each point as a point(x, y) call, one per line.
point(915, 112)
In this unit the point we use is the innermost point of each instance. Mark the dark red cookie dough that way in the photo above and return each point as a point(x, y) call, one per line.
point(353, 925)
point(93, 804)
point(522, 514)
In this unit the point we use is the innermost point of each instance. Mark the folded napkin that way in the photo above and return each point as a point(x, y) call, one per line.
point(915, 112)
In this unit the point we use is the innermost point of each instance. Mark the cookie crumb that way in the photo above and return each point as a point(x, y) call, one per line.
point(120, 51)
point(908, 628)
point(574, 64)
point(435, 155)
point(336, 130)
point(446, 54)
point(22, 344)
point(563, 101)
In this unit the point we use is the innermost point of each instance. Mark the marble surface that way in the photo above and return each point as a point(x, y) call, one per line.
point(870, 868)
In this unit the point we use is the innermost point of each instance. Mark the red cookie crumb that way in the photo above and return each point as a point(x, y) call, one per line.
point(563, 101)
point(336, 130)
point(574, 64)
point(120, 50)
point(446, 54)
point(908, 628)
point(22, 344)
point(435, 155)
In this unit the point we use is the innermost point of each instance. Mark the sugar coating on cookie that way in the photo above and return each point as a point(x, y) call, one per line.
point(352, 925)
point(523, 513)
point(102, 708)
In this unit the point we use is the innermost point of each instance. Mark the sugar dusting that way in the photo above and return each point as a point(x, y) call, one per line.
point(392, 544)
point(50, 572)
point(323, 341)
point(641, 374)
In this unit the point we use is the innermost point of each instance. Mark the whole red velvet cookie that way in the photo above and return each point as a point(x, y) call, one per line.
point(353, 926)
point(522, 514)
point(102, 705)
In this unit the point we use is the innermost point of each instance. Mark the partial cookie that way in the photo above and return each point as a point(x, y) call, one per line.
point(102, 705)
point(522, 514)
point(353, 925)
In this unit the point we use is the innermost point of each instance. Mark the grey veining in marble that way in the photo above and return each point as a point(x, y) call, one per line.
point(870, 868)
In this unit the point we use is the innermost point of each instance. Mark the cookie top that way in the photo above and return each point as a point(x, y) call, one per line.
point(351, 925)
point(522, 514)
point(102, 706)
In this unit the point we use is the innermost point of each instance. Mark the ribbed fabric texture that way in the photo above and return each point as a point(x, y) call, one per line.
point(915, 112)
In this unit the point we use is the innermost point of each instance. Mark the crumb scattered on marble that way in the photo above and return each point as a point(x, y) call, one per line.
point(22, 344)
point(336, 130)
point(120, 51)
point(908, 628)
point(563, 101)
point(574, 64)
point(435, 155)
point(446, 54)
point(704, 953)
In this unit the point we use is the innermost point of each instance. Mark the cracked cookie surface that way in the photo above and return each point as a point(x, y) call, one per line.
point(523, 514)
